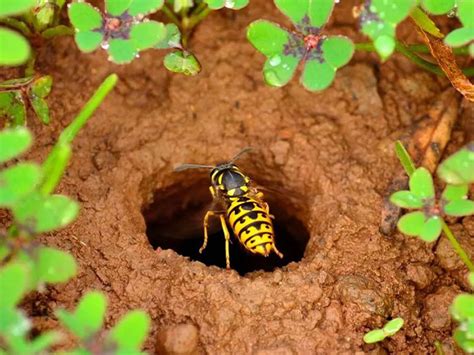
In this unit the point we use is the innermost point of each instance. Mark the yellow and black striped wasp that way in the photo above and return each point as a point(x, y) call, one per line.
point(244, 209)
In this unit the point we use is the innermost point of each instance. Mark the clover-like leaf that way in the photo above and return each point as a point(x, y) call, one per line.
point(42, 342)
point(406, 199)
point(84, 17)
point(459, 208)
point(18, 181)
point(230, 4)
point(12, 106)
point(464, 342)
point(13, 142)
point(431, 229)
point(15, 48)
point(54, 266)
point(41, 108)
point(337, 50)
point(181, 62)
point(88, 41)
point(295, 10)
point(412, 223)
point(45, 213)
point(459, 167)
point(122, 51)
point(144, 7)
point(8, 7)
point(463, 307)
point(374, 336)
point(460, 37)
point(14, 281)
point(466, 12)
point(131, 331)
point(41, 87)
point(437, 7)
point(393, 326)
point(117, 7)
point(172, 38)
point(421, 183)
point(455, 192)
point(389, 329)
point(317, 76)
point(147, 34)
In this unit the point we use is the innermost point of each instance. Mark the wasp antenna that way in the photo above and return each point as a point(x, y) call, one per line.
point(192, 166)
point(239, 154)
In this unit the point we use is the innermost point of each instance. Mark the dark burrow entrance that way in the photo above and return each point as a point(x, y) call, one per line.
point(174, 220)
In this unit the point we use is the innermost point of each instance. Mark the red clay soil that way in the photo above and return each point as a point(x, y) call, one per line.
point(330, 156)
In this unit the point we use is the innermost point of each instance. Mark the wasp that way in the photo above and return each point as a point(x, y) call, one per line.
point(244, 210)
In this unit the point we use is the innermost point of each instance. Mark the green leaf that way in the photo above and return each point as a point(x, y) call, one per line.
point(42, 87)
point(459, 208)
point(14, 324)
point(54, 266)
point(8, 7)
point(147, 34)
point(431, 229)
point(317, 76)
point(122, 51)
point(406, 199)
point(463, 341)
point(13, 83)
point(279, 69)
point(88, 41)
point(45, 213)
point(296, 10)
point(54, 167)
point(179, 62)
point(41, 109)
point(13, 142)
point(466, 12)
point(230, 4)
point(131, 331)
point(393, 326)
point(437, 7)
point(421, 183)
point(463, 307)
point(117, 7)
point(459, 167)
point(412, 223)
point(15, 48)
point(144, 7)
point(385, 45)
point(455, 192)
point(45, 16)
point(471, 279)
point(460, 37)
point(267, 37)
point(172, 38)
point(13, 107)
point(18, 181)
point(374, 336)
point(425, 22)
point(14, 281)
point(319, 12)
point(404, 158)
point(84, 17)
point(393, 11)
point(42, 342)
point(179, 5)
point(337, 50)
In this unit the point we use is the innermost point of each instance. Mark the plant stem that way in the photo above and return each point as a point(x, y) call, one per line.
point(171, 16)
point(439, 348)
point(416, 48)
point(60, 30)
point(457, 247)
point(195, 19)
point(30, 64)
point(417, 60)
point(17, 25)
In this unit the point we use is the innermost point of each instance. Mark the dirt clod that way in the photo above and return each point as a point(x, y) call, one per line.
point(436, 308)
point(421, 275)
point(182, 339)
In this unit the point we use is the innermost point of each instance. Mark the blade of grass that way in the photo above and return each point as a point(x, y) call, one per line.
point(404, 158)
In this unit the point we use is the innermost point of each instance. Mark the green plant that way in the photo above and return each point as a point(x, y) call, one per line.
point(323, 54)
point(26, 189)
point(462, 310)
point(388, 330)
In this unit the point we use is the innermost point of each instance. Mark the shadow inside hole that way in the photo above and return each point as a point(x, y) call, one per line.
point(175, 221)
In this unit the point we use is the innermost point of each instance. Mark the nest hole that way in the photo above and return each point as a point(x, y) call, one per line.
point(174, 220)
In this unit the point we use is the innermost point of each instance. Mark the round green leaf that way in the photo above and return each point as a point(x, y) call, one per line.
point(13, 142)
point(460, 37)
point(122, 51)
point(437, 7)
point(90, 312)
point(12, 106)
point(421, 183)
point(45, 213)
point(215, 4)
point(317, 76)
point(466, 12)
point(172, 38)
point(463, 341)
point(147, 34)
point(17, 182)
point(337, 50)
point(42, 87)
point(54, 266)
point(9, 7)
point(296, 10)
point(144, 7)
point(374, 336)
point(459, 208)
point(117, 7)
point(84, 17)
point(406, 199)
point(431, 229)
point(14, 282)
point(279, 69)
point(463, 307)
point(267, 37)
point(236, 4)
point(385, 45)
point(131, 331)
point(393, 326)
point(412, 223)
point(392, 11)
point(180, 62)
point(88, 41)
point(15, 48)
point(319, 12)
point(459, 167)
point(455, 192)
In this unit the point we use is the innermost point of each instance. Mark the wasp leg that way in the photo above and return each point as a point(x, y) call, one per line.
point(206, 222)
point(227, 239)
point(277, 252)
